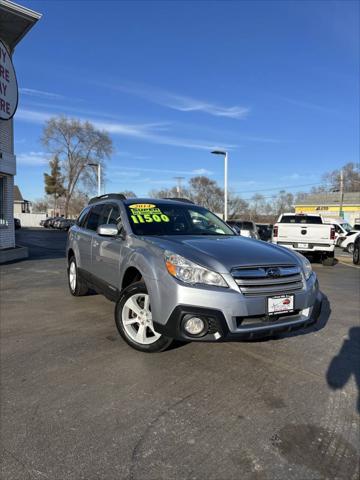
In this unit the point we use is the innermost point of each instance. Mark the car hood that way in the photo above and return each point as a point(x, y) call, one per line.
point(221, 253)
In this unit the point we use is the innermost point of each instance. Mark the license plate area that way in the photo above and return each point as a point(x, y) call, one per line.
point(303, 245)
point(279, 304)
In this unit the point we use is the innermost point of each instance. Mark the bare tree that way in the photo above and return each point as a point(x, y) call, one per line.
point(283, 202)
point(331, 180)
point(129, 194)
point(76, 144)
point(77, 202)
point(41, 205)
point(206, 192)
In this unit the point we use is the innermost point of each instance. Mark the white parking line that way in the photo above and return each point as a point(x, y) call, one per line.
point(348, 264)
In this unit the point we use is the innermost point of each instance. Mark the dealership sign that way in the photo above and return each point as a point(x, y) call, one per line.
point(8, 85)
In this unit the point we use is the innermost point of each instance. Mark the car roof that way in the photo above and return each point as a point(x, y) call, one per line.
point(157, 201)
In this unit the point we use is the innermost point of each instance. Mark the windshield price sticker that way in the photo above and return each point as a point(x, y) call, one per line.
point(147, 213)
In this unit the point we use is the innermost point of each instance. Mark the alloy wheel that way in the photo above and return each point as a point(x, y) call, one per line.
point(137, 319)
point(72, 276)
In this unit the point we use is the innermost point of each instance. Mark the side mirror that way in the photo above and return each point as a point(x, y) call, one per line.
point(109, 230)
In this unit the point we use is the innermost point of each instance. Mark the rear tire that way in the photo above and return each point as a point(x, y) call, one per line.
point(134, 320)
point(77, 286)
point(328, 261)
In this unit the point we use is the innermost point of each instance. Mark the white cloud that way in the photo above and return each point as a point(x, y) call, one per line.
point(131, 170)
point(35, 159)
point(183, 103)
point(309, 105)
point(150, 132)
point(187, 104)
point(40, 93)
point(202, 171)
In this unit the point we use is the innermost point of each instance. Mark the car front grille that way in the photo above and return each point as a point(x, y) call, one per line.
point(268, 280)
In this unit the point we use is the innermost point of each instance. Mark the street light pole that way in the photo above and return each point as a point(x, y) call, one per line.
point(225, 155)
point(226, 187)
point(99, 179)
point(341, 213)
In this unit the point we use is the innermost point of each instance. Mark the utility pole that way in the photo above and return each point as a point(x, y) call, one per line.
point(341, 213)
point(179, 186)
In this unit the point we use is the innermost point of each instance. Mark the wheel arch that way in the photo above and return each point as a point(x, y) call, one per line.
point(70, 254)
point(131, 275)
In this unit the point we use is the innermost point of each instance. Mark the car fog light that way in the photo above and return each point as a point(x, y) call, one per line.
point(194, 325)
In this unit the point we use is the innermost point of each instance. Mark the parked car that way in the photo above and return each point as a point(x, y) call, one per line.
point(356, 251)
point(48, 222)
point(306, 233)
point(42, 222)
point(342, 228)
point(356, 227)
point(17, 223)
point(54, 222)
point(244, 228)
point(175, 278)
point(348, 243)
point(65, 224)
point(264, 231)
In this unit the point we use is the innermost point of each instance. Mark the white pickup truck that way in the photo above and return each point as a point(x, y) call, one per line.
point(306, 233)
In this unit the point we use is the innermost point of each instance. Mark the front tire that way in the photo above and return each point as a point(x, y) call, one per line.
point(350, 248)
point(77, 286)
point(356, 256)
point(133, 320)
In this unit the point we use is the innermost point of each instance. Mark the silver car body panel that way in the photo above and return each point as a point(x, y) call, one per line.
point(109, 258)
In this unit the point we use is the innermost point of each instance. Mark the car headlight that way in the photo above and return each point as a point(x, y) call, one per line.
point(307, 268)
point(189, 272)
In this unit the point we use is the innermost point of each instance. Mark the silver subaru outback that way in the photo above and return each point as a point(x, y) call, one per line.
point(177, 271)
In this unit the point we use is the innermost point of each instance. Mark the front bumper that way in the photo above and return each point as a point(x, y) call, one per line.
point(242, 318)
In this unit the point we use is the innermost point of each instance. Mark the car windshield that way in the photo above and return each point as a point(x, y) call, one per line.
point(346, 227)
point(174, 219)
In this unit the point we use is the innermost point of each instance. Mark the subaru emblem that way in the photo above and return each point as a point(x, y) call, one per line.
point(273, 272)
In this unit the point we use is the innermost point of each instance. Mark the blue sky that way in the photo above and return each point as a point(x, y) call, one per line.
point(276, 83)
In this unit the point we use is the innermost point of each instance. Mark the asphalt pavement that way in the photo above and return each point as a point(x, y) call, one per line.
point(78, 403)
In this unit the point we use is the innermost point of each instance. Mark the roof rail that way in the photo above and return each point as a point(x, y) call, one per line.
point(107, 196)
point(184, 200)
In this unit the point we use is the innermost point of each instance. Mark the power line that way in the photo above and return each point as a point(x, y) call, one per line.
point(278, 188)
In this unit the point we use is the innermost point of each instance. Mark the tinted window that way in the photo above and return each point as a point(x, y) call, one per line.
point(301, 219)
point(94, 217)
point(170, 219)
point(114, 216)
point(110, 214)
point(106, 211)
point(82, 217)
